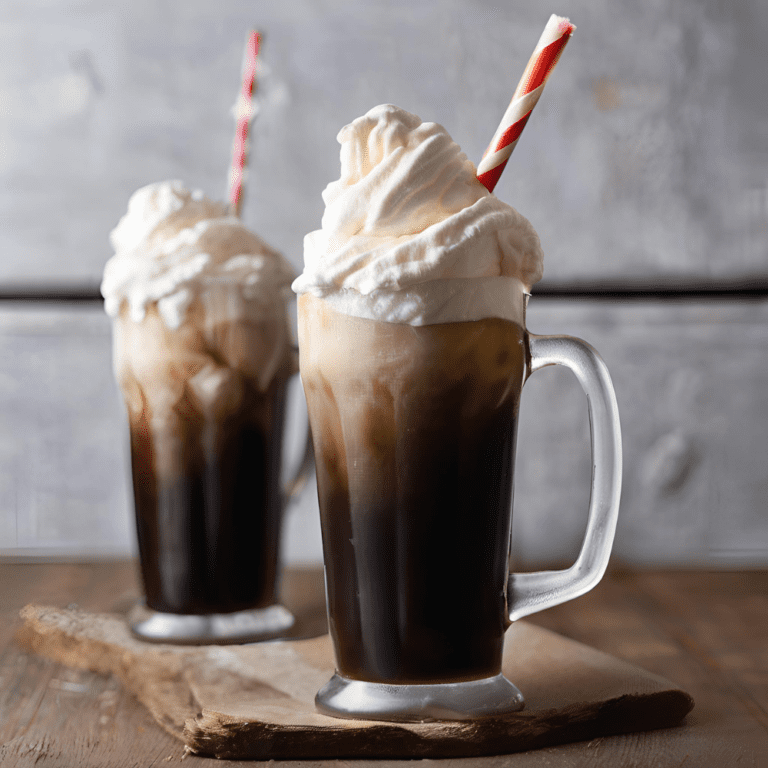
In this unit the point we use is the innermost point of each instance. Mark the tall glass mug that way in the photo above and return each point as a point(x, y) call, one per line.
point(414, 432)
point(206, 427)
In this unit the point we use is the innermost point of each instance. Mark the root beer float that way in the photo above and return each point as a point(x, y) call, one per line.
point(413, 354)
point(202, 354)
point(412, 358)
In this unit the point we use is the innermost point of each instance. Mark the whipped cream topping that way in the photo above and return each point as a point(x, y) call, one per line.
point(409, 235)
point(174, 246)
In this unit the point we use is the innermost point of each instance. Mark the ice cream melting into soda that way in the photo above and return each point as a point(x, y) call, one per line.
point(183, 264)
point(412, 232)
point(410, 235)
point(174, 244)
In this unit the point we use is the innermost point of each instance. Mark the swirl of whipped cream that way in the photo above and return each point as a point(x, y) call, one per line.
point(175, 245)
point(409, 235)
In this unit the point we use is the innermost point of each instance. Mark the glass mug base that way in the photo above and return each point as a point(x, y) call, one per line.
point(212, 628)
point(362, 700)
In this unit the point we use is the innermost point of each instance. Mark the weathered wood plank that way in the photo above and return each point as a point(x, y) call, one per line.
point(258, 701)
point(632, 615)
point(62, 472)
point(63, 440)
point(664, 176)
point(100, 723)
point(692, 387)
point(55, 716)
point(665, 622)
point(729, 637)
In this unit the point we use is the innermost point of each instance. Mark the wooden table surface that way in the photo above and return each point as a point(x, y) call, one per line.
point(707, 632)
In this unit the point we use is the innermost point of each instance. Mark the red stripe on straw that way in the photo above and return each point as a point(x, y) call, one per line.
point(243, 116)
point(543, 65)
point(489, 179)
point(538, 69)
point(512, 133)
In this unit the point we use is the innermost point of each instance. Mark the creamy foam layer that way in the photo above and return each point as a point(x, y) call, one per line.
point(172, 378)
point(175, 245)
point(199, 303)
point(409, 235)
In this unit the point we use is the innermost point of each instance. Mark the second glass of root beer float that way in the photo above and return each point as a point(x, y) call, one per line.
point(413, 355)
point(203, 356)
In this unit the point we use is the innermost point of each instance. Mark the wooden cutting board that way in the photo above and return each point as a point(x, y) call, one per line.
point(256, 701)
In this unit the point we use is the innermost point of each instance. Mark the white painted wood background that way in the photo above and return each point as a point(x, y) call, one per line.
point(645, 162)
point(692, 386)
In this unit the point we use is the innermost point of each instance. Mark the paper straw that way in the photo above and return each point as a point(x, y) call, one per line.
point(553, 39)
point(244, 111)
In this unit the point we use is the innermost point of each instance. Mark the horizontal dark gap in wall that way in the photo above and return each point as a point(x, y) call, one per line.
point(625, 290)
point(86, 294)
point(668, 290)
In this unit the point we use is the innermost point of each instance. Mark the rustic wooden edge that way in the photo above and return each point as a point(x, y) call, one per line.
point(210, 735)
point(84, 652)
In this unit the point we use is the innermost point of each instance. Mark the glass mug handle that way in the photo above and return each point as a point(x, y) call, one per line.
point(295, 485)
point(529, 593)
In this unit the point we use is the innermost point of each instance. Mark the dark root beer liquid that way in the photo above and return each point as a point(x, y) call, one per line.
point(208, 535)
point(414, 431)
point(206, 445)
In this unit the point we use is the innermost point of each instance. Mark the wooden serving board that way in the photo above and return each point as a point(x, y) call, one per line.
point(256, 701)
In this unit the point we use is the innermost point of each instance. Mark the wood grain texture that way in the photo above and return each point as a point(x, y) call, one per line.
point(52, 715)
point(677, 624)
point(257, 701)
point(692, 387)
point(645, 157)
point(64, 463)
point(55, 716)
point(659, 621)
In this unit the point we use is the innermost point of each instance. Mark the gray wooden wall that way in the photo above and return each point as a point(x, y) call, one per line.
point(644, 168)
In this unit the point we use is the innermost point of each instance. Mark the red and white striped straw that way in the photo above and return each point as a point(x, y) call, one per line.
point(553, 39)
point(244, 111)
